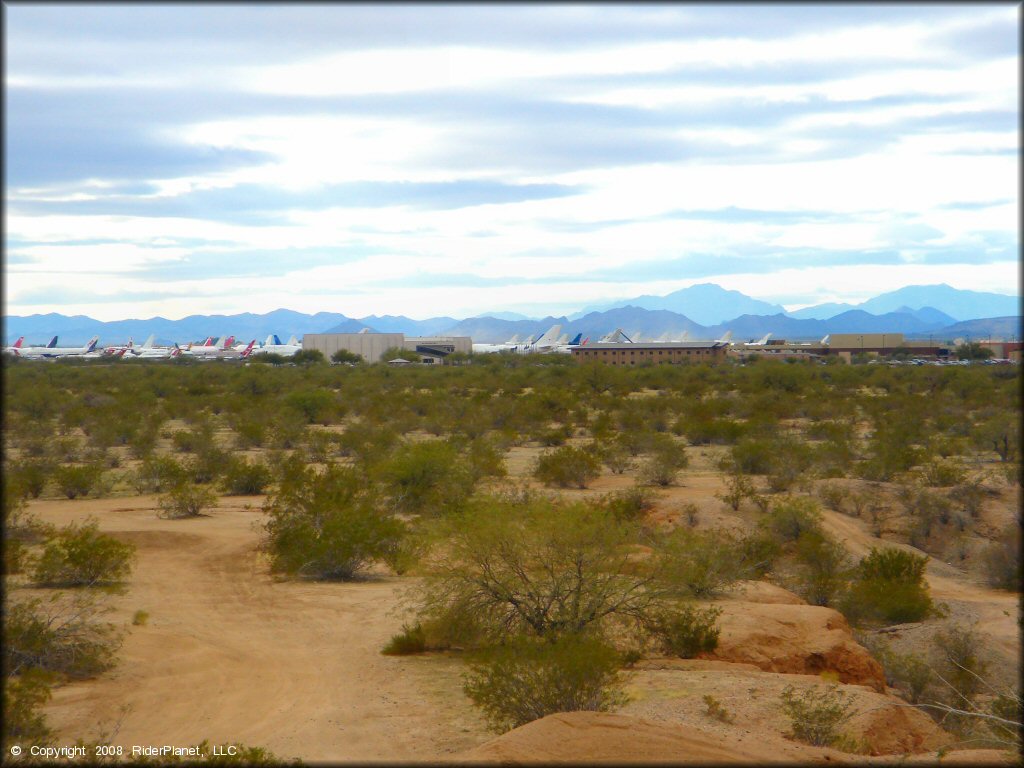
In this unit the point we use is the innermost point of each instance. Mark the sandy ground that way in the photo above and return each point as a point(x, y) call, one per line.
point(231, 654)
point(228, 654)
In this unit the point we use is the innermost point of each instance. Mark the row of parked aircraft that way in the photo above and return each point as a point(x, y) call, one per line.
point(210, 349)
point(550, 341)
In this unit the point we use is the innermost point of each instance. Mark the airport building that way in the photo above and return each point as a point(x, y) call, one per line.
point(371, 346)
point(843, 345)
point(657, 352)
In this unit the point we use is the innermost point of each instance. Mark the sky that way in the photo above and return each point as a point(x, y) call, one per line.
point(455, 160)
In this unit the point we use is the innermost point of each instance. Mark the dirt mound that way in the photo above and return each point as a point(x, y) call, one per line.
point(764, 592)
point(800, 639)
point(599, 737)
point(890, 728)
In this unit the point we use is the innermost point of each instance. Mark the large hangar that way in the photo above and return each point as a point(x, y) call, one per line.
point(371, 346)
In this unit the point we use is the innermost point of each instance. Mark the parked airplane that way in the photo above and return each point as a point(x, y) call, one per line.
point(273, 345)
point(759, 343)
point(52, 350)
point(547, 342)
point(13, 348)
point(512, 345)
point(23, 351)
point(568, 346)
point(217, 349)
point(616, 337)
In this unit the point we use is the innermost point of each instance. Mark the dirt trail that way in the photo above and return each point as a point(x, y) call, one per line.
point(230, 655)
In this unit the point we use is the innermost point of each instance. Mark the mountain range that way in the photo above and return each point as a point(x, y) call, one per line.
point(704, 311)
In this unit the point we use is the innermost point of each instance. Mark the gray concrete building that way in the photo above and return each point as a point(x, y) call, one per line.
point(370, 346)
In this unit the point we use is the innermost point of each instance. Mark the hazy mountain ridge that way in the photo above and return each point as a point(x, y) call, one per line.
point(941, 314)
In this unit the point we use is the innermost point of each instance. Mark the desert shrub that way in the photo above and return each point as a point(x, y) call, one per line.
point(969, 496)
point(185, 500)
point(713, 708)
point(428, 478)
point(486, 458)
point(325, 526)
point(344, 356)
point(908, 672)
point(242, 478)
point(702, 564)
point(817, 716)
point(943, 473)
point(615, 457)
point(23, 722)
point(535, 566)
point(156, 473)
point(567, 466)
point(526, 680)
point(788, 460)
point(790, 517)
point(667, 458)
point(822, 568)
point(140, 617)
point(79, 555)
point(61, 635)
point(834, 497)
point(630, 503)
point(206, 465)
point(250, 431)
point(29, 477)
point(958, 664)
point(75, 480)
point(308, 357)
point(925, 508)
point(1001, 560)
point(412, 639)
point(737, 488)
point(687, 631)
point(888, 587)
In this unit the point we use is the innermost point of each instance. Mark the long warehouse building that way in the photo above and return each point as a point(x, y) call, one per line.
point(372, 346)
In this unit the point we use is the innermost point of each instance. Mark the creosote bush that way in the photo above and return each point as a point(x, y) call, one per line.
point(817, 716)
point(79, 555)
point(326, 525)
point(687, 630)
point(528, 679)
point(567, 466)
point(889, 588)
point(186, 500)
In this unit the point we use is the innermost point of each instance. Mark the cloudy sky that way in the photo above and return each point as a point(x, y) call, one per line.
point(454, 160)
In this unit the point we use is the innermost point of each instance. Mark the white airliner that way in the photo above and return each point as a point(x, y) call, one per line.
point(759, 343)
point(21, 350)
point(16, 346)
point(222, 348)
point(52, 350)
point(273, 345)
point(512, 345)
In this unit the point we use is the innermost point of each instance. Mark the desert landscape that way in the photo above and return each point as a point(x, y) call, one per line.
point(218, 645)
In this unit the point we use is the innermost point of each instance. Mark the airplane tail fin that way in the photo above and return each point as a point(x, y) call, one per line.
point(549, 337)
point(149, 342)
point(92, 344)
point(52, 343)
point(207, 343)
point(277, 340)
point(271, 339)
point(17, 344)
point(576, 340)
point(229, 342)
point(248, 350)
point(292, 341)
point(726, 336)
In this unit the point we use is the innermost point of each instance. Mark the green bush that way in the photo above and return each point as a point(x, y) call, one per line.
point(817, 716)
point(427, 478)
point(326, 526)
point(526, 680)
point(61, 635)
point(186, 500)
point(1001, 560)
point(687, 631)
point(409, 641)
point(666, 459)
point(77, 480)
point(737, 488)
point(823, 568)
point(157, 473)
point(888, 587)
point(80, 555)
point(242, 478)
point(791, 517)
point(630, 503)
point(24, 724)
point(344, 356)
point(703, 564)
point(567, 466)
point(535, 566)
